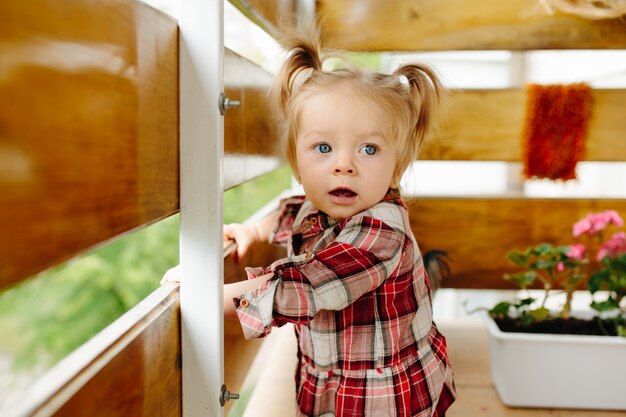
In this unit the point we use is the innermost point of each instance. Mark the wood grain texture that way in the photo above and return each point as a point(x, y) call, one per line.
point(252, 144)
point(88, 127)
point(478, 232)
point(487, 125)
point(268, 14)
point(131, 368)
point(409, 25)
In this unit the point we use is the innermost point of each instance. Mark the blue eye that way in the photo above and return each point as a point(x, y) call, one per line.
point(370, 149)
point(322, 148)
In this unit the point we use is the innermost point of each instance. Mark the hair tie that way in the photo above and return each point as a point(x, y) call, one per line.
point(404, 80)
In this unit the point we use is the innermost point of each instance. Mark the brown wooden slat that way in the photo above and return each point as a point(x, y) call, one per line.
point(144, 379)
point(267, 14)
point(488, 124)
point(478, 232)
point(251, 139)
point(131, 368)
point(409, 25)
point(88, 126)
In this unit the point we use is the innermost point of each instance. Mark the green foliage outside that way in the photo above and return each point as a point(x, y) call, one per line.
point(48, 316)
point(366, 60)
point(242, 201)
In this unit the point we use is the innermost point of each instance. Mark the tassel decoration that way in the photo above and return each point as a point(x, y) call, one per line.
point(555, 131)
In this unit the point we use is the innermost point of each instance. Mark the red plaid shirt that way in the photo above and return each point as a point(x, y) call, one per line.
point(360, 300)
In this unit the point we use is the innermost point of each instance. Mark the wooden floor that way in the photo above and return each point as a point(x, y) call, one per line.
point(467, 343)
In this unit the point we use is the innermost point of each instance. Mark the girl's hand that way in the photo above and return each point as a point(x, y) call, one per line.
point(244, 235)
point(172, 276)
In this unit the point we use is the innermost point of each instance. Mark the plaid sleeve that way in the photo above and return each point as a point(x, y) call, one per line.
point(360, 259)
point(287, 212)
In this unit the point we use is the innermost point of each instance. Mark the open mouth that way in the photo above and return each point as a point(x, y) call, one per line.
point(342, 195)
point(342, 192)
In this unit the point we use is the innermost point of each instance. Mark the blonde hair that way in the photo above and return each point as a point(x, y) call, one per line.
point(410, 97)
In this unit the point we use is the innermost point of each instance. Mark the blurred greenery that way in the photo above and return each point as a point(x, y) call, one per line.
point(366, 60)
point(47, 316)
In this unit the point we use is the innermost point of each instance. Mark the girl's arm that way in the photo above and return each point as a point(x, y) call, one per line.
point(172, 277)
point(236, 289)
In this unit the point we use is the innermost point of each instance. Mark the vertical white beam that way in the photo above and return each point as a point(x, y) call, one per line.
point(201, 258)
point(518, 79)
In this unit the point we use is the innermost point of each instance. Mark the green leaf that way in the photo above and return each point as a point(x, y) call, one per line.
point(518, 258)
point(500, 309)
point(545, 263)
point(540, 313)
point(526, 301)
point(606, 305)
point(522, 279)
point(544, 249)
point(596, 280)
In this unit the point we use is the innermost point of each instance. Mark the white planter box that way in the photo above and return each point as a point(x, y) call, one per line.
point(558, 371)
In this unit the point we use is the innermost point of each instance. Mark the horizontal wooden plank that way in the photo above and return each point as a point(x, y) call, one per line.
point(409, 25)
point(485, 125)
point(88, 126)
point(268, 14)
point(251, 139)
point(131, 368)
point(478, 232)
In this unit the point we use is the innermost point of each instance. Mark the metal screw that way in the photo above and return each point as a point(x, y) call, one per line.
point(226, 103)
point(225, 395)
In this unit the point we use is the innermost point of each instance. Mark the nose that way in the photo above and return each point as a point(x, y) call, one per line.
point(344, 165)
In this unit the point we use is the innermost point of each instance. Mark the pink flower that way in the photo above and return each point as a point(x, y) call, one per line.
point(596, 222)
point(613, 247)
point(560, 267)
point(582, 226)
point(576, 251)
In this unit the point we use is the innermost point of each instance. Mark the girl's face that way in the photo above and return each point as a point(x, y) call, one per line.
point(344, 154)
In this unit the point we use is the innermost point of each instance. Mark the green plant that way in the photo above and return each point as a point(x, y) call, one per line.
point(556, 267)
point(564, 269)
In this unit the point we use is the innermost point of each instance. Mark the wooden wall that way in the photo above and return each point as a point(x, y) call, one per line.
point(88, 127)
point(487, 125)
point(433, 25)
point(89, 151)
point(477, 232)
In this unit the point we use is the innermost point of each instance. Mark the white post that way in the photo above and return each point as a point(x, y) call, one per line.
point(201, 248)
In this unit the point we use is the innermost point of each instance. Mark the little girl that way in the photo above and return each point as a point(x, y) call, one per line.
point(353, 283)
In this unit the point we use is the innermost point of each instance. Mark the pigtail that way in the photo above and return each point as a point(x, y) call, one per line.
point(426, 95)
point(304, 57)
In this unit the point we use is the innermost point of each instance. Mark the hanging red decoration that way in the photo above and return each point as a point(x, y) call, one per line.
point(555, 131)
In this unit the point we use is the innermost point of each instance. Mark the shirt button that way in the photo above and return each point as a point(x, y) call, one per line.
point(380, 371)
point(313, 221)
point(244, 303)
point(308, 255)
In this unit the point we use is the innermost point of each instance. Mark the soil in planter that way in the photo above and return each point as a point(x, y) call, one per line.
point(559, 325)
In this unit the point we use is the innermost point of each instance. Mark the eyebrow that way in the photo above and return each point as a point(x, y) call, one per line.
point(362, 135)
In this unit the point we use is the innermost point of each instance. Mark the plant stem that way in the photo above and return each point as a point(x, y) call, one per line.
point(568, 304)
point(545, 296)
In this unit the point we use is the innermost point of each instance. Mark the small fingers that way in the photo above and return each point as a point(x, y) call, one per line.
point(172, 276)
